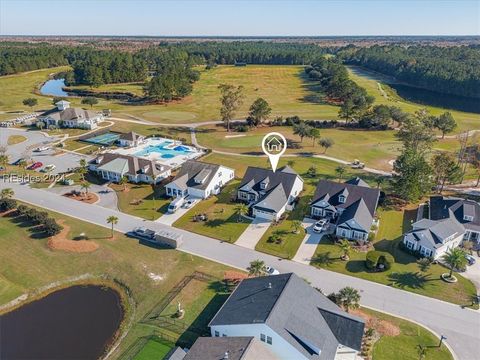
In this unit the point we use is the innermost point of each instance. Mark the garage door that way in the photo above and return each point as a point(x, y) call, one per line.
point(264, 214)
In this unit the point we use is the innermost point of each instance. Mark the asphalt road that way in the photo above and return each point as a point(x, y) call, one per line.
point(460, 326)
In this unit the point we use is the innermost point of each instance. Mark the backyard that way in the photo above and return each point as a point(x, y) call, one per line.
point(405, 273)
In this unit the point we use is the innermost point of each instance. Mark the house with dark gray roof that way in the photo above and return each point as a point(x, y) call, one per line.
point(65, 116)
point(225, 348)
point(113, 167)
point(199, 179)
point(450, 221)
point(269, 194)
point(293, 319)
point(350, 206)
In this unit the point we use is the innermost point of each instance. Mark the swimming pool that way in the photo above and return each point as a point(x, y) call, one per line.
point(163, 150)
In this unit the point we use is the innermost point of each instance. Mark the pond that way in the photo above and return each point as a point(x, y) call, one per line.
point(54, 87)
point(78, 322)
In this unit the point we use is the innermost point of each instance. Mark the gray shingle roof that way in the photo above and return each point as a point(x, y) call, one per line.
point(285, 177)
point(441, 206)
point(435, 231)
point(70, 114)
point(192, 172)
point(215, 348)
point(304, 317)
point(356, 217)
point(135, 165)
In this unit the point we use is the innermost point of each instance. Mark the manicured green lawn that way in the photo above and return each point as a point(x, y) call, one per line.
point(375, 148)
point(139, 200)
point(27, 264)
point(15, 139)
point(407, 342)
point(369, 80)
point(153, 349)
point(222, 220)
point(290, 240)
point(405, 273)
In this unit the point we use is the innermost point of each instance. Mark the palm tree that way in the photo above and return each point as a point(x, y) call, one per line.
point(314, 135)
point(7, 193)
point(302, 130)
point(296, 226)
point(82, 170)
point(379, 180)
point(123, 181)
point(241, 209)
point(455, 258)
point(23, 164)
point(112, 220)
point(86, 186)
point(256, 268)
point(345, 248)
point(3, 160)
point(340, 171)
point(349, 298)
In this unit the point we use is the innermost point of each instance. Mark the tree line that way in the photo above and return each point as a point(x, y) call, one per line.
point(451, 70)
point(251, 52)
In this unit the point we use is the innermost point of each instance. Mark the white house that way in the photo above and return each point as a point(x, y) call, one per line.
point(199, 179)
point(113, 167)
point(65, 116)
point(269, 194)
point(450, 221)
point(130, 139)
point(293, 319)
point(350, 206)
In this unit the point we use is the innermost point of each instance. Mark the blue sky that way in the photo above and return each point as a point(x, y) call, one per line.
point(240, 17)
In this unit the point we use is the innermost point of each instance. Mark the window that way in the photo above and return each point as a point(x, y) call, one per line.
point(269, 340)
point(341, 199)
point(467, 218)
point(217, 334)
point(262, 337)
point(224, 335)
point(219, 174)
point(409, 245)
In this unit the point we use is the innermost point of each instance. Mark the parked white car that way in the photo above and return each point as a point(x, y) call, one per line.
point(271, 271)
point(48, 168)
point(189, 203)
point(320, 225)
point(41, 148)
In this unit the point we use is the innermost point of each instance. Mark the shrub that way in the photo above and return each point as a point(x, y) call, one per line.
point(243, 128)
point(21, 209)
point(375, 258)
point(7, 204)
point(31, 214)
point(51, 227)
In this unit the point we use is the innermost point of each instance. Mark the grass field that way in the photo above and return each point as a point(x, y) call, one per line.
point(370, 80)
point(154, 349)
point(15, 139)
point(122, 258)
point(411, 336)
point(405, 273)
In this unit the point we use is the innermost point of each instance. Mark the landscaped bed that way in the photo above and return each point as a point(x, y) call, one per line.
point(222, 222)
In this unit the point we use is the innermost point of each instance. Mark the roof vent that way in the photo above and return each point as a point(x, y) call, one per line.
point(226, 355)
point(269, 285)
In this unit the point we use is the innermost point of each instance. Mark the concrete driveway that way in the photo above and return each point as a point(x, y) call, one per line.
point(473, 272)
point(169, 219)
point(253, 233)
point(309, 244)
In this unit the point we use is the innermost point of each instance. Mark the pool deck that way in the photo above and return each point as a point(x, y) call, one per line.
point(174, 162)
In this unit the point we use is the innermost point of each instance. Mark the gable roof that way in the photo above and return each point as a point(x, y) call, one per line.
point(279, 185)
point(195, 174)
point(127, 164)
point(443, 207)
point(70, 114)
point(435, 232)
point(303, 316)
point(231, 348)
point(130, 136)
point(356, 217)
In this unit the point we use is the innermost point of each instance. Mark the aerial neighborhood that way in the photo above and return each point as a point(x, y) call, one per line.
point(239, 197)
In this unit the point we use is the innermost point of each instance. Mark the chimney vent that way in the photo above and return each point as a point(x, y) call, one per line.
point(269, 285)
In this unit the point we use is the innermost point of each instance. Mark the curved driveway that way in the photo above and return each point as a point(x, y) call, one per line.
point(460, 325)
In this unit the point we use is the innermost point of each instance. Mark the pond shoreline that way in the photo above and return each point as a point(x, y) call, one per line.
point(127, 302)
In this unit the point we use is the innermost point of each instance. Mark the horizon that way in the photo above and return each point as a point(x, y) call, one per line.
point(240, 18)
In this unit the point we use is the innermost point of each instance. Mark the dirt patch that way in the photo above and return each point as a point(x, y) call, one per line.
point(383, 327)
point(7, 213)
point(61, 242)
point(89, 198)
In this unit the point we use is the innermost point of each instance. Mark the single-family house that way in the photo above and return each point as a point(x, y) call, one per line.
point(113, 167)
point(199, 179)
point(293, 319)
point(220, 348)
point(65, 116)
point(350, 206)
point(130, 139)
point(269, 194)
point(450, 221)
